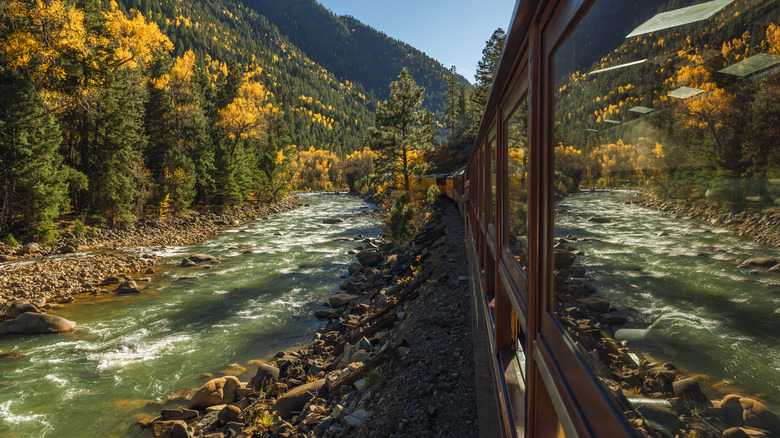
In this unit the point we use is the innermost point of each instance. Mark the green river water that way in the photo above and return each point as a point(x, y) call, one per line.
point(725, 321)
point(128, 352)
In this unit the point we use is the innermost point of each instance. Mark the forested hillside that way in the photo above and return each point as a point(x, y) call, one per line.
point(318, 110)
point(355, 52)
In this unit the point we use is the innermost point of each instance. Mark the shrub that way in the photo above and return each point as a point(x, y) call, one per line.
point(78, 228)
point(402, 220)
point(10, 240)
point(433, 195)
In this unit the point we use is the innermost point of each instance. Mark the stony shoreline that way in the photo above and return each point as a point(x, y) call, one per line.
point(32, 274)
point(395, 355)
point(762, 225)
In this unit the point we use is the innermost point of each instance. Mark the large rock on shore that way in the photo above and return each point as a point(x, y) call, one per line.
point(293, 400)
point(36, 323)
point(265, 376)
point(369, 258)
point(170, 429)
point(744, 411)
point(339, 300)
point(216, 391)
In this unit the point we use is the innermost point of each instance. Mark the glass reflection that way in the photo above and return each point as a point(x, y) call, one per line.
point(517, 142)
point(667, 178)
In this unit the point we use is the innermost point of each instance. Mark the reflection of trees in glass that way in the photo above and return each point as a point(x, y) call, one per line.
point(621, 128)
point(517, 132)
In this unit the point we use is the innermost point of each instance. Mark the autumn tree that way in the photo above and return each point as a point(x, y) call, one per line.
point(404, 130)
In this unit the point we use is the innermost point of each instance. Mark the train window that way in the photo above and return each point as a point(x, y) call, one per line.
point(517, 166)
point(667, 116)
point(493, 176)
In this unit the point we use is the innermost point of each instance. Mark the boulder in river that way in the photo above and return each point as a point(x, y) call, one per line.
point(200, 258)
point(128, 287)
point(214, 392)
point(36, 323)
point(758, 261)
point(354, 268)
point(334, 220)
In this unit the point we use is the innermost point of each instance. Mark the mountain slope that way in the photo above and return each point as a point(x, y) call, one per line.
point(354, 51)
point(319, 110)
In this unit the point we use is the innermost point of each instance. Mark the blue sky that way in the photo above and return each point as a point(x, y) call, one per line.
point(452, 32)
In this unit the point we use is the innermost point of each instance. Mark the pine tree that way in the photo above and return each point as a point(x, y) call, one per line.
point(32, 178)
point(486, 70)
point(451, 104)
point(403, 130)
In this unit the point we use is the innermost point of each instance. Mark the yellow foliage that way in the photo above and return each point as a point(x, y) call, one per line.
point(247, 115)
point(135, 40)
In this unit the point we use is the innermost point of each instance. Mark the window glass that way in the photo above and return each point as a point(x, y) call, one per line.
point(667, 179)
point(517, 143)
point(493, 170)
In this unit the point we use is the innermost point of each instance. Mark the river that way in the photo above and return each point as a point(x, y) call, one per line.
point(129, 351)
point(650, 264)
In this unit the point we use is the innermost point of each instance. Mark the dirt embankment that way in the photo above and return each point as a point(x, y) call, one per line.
point(395, 358)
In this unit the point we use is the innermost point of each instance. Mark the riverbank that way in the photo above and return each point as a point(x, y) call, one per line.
point(96, 264)
point(395, 355)
point(761, 225)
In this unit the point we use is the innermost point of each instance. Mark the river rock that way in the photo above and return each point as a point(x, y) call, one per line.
point(265, 375)
point(758, 261)
point(66, 249)
point(31, 248)
point(326, 313)
point(339, 300)
point(600, 220)
point(187, 263)
point(563, 259)
point(201, 258)
point(595, 303)
point(735, 432)
point(775, 269)
point(36, 323)
point(369, 258)
point(689, 389)
point(18, 307)
point(356, 267)
point(178, 414)
point(744, 411)
point(170, 429)
point(331, 221)
point(229, 413)
point(110, 280)
point(214, 392)
point(128, 287)
point(294, 399)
